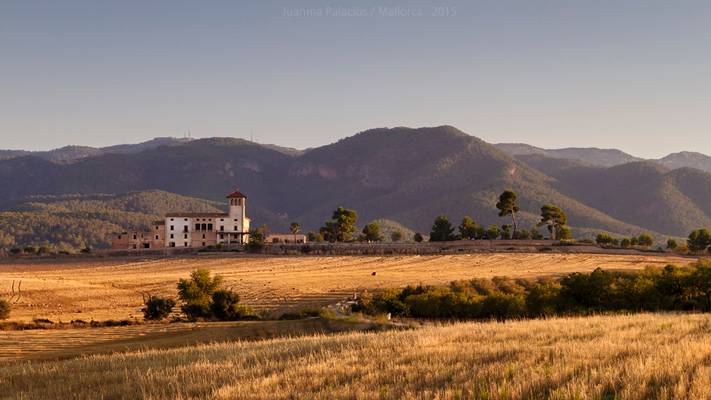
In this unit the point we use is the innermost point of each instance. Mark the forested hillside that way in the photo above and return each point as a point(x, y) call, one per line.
point(79, 221)
point(401, 174)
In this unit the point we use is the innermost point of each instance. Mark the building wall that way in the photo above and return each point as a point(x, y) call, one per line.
point(286, 238)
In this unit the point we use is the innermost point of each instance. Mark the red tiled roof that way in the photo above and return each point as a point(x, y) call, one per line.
point(236, 194)
point(196, 215)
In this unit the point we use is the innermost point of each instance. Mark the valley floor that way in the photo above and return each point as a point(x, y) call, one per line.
point(640, 356)
point(101, 289)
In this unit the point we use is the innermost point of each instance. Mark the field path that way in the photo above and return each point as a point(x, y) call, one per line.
point(63, 290)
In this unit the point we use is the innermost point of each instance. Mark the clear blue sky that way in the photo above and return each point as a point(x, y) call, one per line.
point(627, 74)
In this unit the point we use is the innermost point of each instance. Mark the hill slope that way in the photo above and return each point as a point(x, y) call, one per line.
point(401, 174)
point(78, 221)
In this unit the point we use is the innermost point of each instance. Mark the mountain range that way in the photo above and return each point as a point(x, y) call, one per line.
point(404, 175)
point(608, 157)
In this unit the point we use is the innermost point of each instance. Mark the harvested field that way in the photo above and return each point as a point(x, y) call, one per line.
point(642, 356)
point(86, 289)
point(51, 344)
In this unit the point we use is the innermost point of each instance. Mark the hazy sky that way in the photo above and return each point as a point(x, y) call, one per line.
point(629, 74)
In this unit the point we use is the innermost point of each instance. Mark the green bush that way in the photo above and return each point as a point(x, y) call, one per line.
point(157, 308)
point(4, 309)
point(225, 305)
point(671, 288)
point(196, 293)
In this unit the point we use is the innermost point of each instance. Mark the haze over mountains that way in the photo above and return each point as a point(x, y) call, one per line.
point(400, 174)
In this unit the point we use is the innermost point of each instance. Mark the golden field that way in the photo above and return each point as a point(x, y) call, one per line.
point(101, 289)
point(661, 356)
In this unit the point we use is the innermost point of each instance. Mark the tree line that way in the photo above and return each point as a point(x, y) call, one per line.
point(666, 289)
point(342, 226)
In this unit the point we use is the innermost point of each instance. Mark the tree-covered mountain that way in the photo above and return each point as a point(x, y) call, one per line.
point(401, 174)
point(588, 155)
point(78, 221)
point(641, 193)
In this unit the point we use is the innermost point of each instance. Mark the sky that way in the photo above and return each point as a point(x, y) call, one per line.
point(628, 74)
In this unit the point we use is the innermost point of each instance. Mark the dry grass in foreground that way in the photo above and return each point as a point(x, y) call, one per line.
point(629, 357)
point(111, 289)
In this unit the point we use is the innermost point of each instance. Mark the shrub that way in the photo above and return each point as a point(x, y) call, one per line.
point(417, 237)
point(626, 243)
point(157, 308)
point(645, 240)
point(225, 305)
point(672, 244)
point(604, 239)
point(4, 309)
point(542, 299)
point(503, 306)
point(196, 293)
point(699, 240)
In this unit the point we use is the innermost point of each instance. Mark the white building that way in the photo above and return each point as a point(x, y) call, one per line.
point(182, 229)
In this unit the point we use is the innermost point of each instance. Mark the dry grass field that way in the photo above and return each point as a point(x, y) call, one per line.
point(63, 290)
point(642, 356)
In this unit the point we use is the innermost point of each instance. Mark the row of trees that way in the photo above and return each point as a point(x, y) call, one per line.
point(698, 241)
point(342, 226)
point(670, 288)
point(552, 217)
point(643, 240)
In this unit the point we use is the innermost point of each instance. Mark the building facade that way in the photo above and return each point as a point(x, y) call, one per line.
point(192, 229)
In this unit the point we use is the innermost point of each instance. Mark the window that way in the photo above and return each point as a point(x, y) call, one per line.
point(172, 228)
point(172, 236)
point(203, 236)
point(185, 236)
point(197, 227)
point(222, 228)
point(134, 237)
point(186, 244)
point(171, 219)
point(156, 237)
point(209, 227)
point(134, 246)
point(203, 244)
point(172, 244)
point(222, 236)
point(156, 227)
point(185, 219)
point(119, 237)
point(222, 219)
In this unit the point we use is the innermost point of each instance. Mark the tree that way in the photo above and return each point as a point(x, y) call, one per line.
point(371, 232)
point(505, 232)
point(604, 239)
point(257, 238)
point(225, 305)
point(507, 205)
point(196, 293)
point(442, 230)
point(341, 226)
point(157, 308)
point(699, 240)
point(645, 240)
point(417, 237)
point(396, 236)
point(467, 229)
point(493, 232)
point(554, 219)
point(295, 228)
point(672, 244)
point(626, 243)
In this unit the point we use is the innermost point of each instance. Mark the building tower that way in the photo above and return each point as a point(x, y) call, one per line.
point(238, 213)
